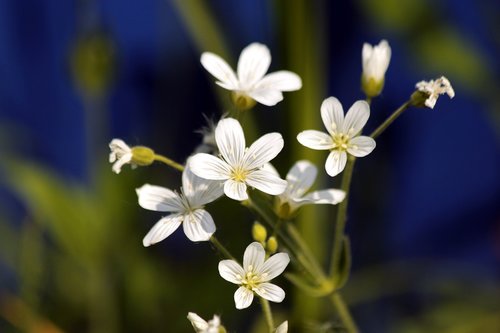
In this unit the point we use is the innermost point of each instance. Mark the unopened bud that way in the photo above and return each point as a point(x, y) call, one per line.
point(259, 232)
point(272, 245)
point(142, 156)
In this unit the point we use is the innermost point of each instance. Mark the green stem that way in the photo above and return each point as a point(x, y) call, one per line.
point(266, 309)
point(169, 162)
point(221, 248)
point(343, 312)
point(341, 216)
point(389, 120)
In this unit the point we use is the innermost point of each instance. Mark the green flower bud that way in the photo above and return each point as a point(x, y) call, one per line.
point(259, 232)
point(272, 245)
point(142, 156)
point(371, 87)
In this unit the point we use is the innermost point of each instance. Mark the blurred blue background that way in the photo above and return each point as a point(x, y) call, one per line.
point(425, 209)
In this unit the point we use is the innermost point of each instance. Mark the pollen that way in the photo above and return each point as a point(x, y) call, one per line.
point(341, 141)
point(239, 174)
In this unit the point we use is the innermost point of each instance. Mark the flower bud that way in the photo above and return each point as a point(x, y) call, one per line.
point(375, 61)
point(259, 232)
point(272, 245)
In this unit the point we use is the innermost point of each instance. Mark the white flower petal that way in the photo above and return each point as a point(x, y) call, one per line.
point(281, 81)
point(230, 140)
point(159, 199)
point(219, 68)
point(235, 190)
point(271, 292)
point(199, 324)
point(253, 63)
point(162, 229)
point(335, 163)
point(300, 178)
point(253, 257)
point(266, 182)
point(199, 191)
point(263, 150)
point(231, 271)
point(209, 167)
point(361, 146)
point(330, 197)
point(315, 140)
point(332, 115)
point(268, 97)
point(124, 159)
point(274, 266)
point(283, 328)
point(269, 167)
point(375, 60)
point(243, 298)
point(356, 118)
point(198, 225)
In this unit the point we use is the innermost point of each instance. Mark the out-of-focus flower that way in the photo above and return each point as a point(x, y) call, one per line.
point(375, 61)
point(238, 166)
point(122, 154)
point(202, 326)
point(283, 328)
point(343, 134)
point(253, 277)
point(431, 91)
point(250, 83)
point(300, 179)
point(185, 207)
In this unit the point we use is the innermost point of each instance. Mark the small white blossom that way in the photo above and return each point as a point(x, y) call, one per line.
point(120, 155)
point(300, 179)
point(375, 60)
point(250, 80)
point(434, 88)
point(253, 277)
point(185, 207)
point(343, 134)
point(202, 326)
point(239, 166)
point(283, 328)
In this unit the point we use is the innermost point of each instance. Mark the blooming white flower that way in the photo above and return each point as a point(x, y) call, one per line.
point(343, 134)
point(120, 155)
point(250, 84)
point(300, 178)
point(238, 166)
point(283, 328)
point(185, 207)
point(202, 326)
point(434, 88)
point(253, 277)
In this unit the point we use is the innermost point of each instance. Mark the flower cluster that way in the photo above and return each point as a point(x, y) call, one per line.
point(225, 165)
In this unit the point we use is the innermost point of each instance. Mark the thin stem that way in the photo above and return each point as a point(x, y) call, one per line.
point(266, 309)
point(221, 248)
point(343, 312)
point(389, 120)
point(341, 216)
point(169, 162)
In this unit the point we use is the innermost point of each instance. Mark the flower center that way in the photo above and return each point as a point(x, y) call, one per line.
point(251, 280)
point(341, 141)
point(239, 174)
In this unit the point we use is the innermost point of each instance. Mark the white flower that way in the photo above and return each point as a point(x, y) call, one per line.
point(343, 134)
point(283, 328)
point(185, 207)
point(120, 155)
point(253, 277)
point(300, 178)
point(202, 326)
point(435, 88)
point(238, 166)
point(376, 60)
point(250, 82)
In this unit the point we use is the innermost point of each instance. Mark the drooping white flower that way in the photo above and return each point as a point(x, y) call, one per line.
point(300, 179)
point(202, 326)
point(434, 88)
point(185, 207)
point(238, 166)
point(122, 154)
point(343, 134)
point(250, 83)
point(253, 277)
point(283, 328)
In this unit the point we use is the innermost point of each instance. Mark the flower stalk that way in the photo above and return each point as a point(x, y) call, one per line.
point(390, 120)
point(268, 315)
point(169, 162)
